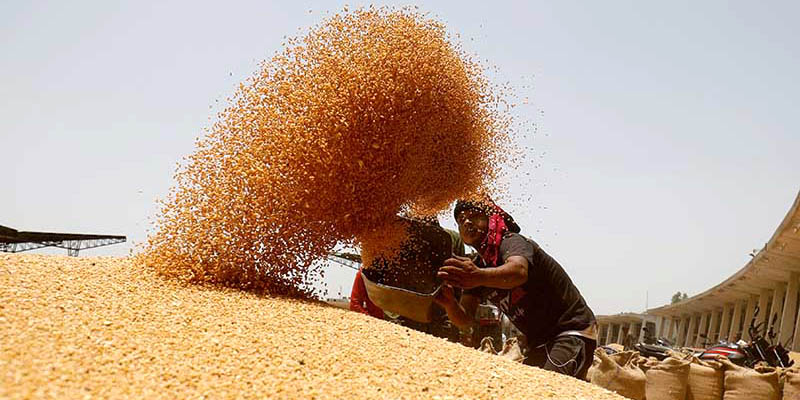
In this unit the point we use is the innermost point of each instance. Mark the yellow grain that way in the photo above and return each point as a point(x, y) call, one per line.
point(110, 328)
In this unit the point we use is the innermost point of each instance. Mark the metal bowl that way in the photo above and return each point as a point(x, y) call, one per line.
point(408, 284)
point(408, 303)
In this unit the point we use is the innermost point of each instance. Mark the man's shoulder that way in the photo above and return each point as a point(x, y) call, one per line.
point(515, 240)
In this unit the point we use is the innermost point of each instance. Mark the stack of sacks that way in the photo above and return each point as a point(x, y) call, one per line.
point(675, 378)
point(668, 379)
point(619, 373)
point(761, 383)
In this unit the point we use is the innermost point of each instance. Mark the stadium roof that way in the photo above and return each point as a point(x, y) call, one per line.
point(774, 263)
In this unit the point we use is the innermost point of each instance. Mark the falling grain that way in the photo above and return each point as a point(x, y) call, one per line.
point(373, 112)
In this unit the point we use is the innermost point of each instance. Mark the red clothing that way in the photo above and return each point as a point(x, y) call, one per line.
point(490, 248)
point(359, 301)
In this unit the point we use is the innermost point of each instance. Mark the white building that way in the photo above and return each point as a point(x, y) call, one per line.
point(769, 282)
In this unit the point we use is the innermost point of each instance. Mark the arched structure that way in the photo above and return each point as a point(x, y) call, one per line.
point(769, 283)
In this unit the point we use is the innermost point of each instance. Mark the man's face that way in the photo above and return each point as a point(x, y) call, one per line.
point(473, 226)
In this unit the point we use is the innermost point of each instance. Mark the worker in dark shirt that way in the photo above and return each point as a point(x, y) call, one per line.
point(525, 283)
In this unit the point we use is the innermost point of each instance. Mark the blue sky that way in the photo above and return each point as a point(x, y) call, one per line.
point(667, 138)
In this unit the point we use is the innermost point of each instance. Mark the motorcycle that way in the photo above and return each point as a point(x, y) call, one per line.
point(609, 350)
point(654, 347)
point(762, 347)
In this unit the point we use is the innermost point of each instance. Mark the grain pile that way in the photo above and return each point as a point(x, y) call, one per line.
point(110, 328)
point(373, 112)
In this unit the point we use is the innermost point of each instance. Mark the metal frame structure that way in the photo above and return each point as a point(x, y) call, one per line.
point(352, 261)
point(14, 241)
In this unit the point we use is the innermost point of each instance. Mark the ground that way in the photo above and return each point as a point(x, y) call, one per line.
point(109, 328)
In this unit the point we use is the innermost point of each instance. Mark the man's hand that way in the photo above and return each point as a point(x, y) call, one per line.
point(462, 313)
point(446, 297)
point(461, 272)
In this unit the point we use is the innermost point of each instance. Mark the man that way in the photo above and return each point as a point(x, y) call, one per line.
point(524, 282)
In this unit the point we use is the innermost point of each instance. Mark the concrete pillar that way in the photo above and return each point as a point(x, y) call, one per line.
point(796, 340)
point(619, 334)
point(748, 316)
point(640, 334)
point(625, 331)
point(609, 330)
point(600, 330)
point(682, 331)
point(713, 326)
point(789, 308)
point(685, 331)
point(675, 330)
point(702, 329)
point(763, 312)
point(603, 331)
point(660, 322)
point(691, 333)
point(669, 328)
point(736, 321)
point(612, 336)
point(725, 327)
point(778, 295)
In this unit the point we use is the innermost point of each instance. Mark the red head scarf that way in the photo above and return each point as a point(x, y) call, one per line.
point(500, 222)
point(490, 248)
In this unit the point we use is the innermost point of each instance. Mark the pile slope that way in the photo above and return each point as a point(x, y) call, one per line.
point(110, 328)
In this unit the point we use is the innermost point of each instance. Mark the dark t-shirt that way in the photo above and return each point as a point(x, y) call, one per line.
point(544, 306)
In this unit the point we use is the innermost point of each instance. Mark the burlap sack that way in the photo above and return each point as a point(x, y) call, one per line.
point(512, 351)
point(647, 363)
point(487, 345)
point(705, 380)
point(616, 346)
point(750, 384)
point(668, 379)
point(619, 373)
point(791, 384)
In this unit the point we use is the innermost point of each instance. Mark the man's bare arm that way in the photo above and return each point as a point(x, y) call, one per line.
point(461, 314)
point(507, 276)
point(462, 272)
